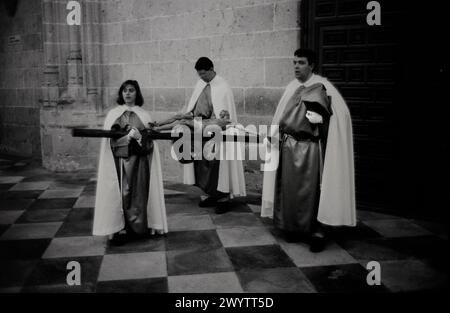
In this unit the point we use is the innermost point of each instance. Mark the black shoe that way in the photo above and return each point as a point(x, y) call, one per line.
point(117, 240)
point(222, 207)
point(208, 202)
point(131, 235)
point(292, 237)
point(317, 244)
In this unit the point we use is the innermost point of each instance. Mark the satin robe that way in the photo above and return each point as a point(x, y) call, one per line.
point(133, 173)
point(297, 186)
point(206, 172)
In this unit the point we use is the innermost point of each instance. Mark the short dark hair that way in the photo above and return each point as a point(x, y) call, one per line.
point(139, 98)
point(204, 63)
point(309, 54)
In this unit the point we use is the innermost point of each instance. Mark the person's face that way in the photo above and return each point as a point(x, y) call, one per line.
point(302, 68)
point(206, 75)
point(129, 94)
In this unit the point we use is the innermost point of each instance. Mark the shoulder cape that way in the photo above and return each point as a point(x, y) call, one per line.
point(108, 214)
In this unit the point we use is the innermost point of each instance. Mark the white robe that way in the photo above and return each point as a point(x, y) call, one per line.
point(108, 214)
point(337, 206)
point(231, 172)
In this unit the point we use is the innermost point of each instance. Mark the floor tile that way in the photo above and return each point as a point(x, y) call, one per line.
point(63, 185)
point(439, 229)
point(15, 204)
point(170, 192)
point(411, 275)
point(10, 179)
point(38, 185)
point(331, 255)
point(90, 186)
point(234, 219)
point(61, 194)
point(45, 177)
point(26, 194)
point(11, 290)
point(15, 272)
point(190, 240)
point(71, 229)
point(255, 208)
point(172, 185)
point(359, 232)
point(374, 249)
point(396, 228)
point(59, 288)
point(85, 202)
point(75, 246)
point(10, 216)
point(245, 236)
point(184, 262)
point(238, 206)
point(274, 280)
point(438, 264)
point(3, 228)
point(80, 215)
point(133, 266)
point(370, 215)
point(23, 249)
point(79, 222)
point(267, 221)
point(185, 222)
point(423, 247)
point(5, 187)
point(54, 272)
point(43, 216)
point(154, 243)
point(255, 257)
point(31, 231)
point(40, 204)
point(205, 283)
point(149, 285)
point(185, 207)
point(348, 278)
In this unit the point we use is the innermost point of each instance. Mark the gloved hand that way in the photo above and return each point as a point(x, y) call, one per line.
point(314, 118)
point(135, 134)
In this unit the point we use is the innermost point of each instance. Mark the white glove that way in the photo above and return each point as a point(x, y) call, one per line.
point(135, 134)
point(314, 118)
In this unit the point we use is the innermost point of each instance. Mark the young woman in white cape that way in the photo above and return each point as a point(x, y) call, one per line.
point(130, 193)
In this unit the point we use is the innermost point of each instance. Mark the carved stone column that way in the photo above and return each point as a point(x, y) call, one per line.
point(91, 35)
point(69, 88)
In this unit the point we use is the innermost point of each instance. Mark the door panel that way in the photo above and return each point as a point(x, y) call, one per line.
point(376, 70)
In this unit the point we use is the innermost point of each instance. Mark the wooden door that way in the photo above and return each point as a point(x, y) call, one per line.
point(373, 67)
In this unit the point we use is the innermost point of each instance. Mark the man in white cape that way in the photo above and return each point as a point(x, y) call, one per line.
point(328, 199)
point(224, 178)
point(109, 215)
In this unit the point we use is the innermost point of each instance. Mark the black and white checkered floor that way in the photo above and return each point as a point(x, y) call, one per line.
point(46, 221)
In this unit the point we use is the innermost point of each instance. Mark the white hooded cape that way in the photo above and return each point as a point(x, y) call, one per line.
point(231, 172)
point(337, 205)
point(108, 214)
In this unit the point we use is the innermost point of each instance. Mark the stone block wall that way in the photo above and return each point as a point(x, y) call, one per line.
point(21, 67)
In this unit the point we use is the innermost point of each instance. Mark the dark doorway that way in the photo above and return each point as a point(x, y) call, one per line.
point(391, 76)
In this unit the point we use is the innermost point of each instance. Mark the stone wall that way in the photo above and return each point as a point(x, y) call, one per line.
point(21, 64)
point(71, 86)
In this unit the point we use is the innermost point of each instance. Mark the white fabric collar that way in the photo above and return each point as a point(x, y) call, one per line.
point(309, 82)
